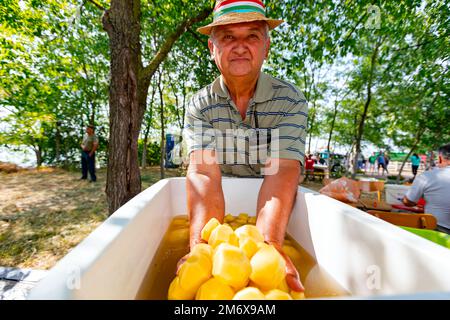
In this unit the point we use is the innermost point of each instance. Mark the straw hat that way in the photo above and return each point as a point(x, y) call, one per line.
point(237, 11)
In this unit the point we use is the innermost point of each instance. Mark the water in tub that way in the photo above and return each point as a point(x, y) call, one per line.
point(175, 244)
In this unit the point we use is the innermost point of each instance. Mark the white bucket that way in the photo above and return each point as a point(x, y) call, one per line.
point(395, 193)
point(368, 257)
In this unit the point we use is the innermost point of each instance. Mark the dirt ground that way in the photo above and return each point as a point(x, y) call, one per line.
point(44, 213)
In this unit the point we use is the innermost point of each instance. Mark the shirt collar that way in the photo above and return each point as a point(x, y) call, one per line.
point(262, 93)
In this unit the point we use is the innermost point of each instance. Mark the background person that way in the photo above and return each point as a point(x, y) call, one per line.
point(434, 187)
point(88, 147)
point(415, 163)
point(372, 163)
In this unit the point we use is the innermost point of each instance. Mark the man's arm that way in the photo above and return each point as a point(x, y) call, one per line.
point(415, 192)
point(205, 198)
point(275, 202)
point(408, 202)
point(94, 148)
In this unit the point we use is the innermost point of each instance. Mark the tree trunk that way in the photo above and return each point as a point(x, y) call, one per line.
point(332, 125)
point(92, 116)
point(58, 143)
point(147, 131)
point(128, 93)
point(310, 125)
point(122, 22)
point(416, 142)
point(38, 153)
point(161, 112)
point(366, 108)
point(144, 152)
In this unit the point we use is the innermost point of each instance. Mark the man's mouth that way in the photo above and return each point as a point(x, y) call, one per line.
point(239, 59)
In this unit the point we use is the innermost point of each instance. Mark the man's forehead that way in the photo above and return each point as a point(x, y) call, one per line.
point(245, 26)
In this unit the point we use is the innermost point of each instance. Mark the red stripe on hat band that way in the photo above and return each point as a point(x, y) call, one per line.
point(226, 2)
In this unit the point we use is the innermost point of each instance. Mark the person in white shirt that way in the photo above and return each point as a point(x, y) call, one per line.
point(434, 187)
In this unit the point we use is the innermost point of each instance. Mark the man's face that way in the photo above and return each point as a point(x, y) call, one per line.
point(240, 49)
point(89, 130)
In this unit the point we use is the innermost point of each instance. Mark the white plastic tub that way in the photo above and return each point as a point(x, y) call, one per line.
point(395, 193)
point(368, 257)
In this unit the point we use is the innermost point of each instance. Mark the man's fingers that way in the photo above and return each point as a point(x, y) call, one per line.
point(181, 261)
point(292, 276)
point(293, 279)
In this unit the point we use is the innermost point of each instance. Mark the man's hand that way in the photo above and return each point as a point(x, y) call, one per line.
point(292, 276)
point(205, 198)
point(408, 202)
point(275, 201)
point(186, 256)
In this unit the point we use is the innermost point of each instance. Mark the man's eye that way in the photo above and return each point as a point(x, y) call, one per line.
point(228, 37)
point(254, 37)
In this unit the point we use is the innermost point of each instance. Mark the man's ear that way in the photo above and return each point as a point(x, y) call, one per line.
point(211, 47)
point(267, 47)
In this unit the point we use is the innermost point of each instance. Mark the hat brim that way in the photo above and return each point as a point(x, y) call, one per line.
point(234, 18)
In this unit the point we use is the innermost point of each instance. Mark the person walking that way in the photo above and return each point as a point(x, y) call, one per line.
point(415, 163)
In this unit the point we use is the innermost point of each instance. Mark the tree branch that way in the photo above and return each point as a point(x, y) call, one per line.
point(197, 37)
point(165, 48)
point(97, 5)
point(422, 43)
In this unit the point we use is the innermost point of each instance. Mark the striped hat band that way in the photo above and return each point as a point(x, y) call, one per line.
point(228, 12)
point(238, 6)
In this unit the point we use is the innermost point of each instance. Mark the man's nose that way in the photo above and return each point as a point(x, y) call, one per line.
point(240, 47)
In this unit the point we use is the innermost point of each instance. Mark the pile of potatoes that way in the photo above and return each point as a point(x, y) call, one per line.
point(234, 264)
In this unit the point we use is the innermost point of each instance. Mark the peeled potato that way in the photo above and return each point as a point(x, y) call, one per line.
point(208, 228)
point(261, 245)
point(234, 225)
point(177, 293)
point(179, 235)
point(223, 233)
point(276, 294)
point(249, 293)
point(268, 268)
point(283, 286)
point(203, 248)
point(214, 289)
point(249, 231)
point(194, 271)
point(251, 220)
point(231, 266)
point(293, 254)
point(228, 218)
point(242, 218)
point(249, 246)
point(297, 295)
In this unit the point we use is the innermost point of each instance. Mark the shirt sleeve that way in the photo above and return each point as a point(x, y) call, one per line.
point(417, 189)
point(198, 133)
point(291, 133)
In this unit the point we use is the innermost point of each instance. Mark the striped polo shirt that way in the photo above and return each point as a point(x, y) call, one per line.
point(275, 121)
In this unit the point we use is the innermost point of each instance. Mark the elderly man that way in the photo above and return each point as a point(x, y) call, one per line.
point(434, 187)
point(244, 99)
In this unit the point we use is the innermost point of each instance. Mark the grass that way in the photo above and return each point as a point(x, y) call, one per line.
point(45, 213)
